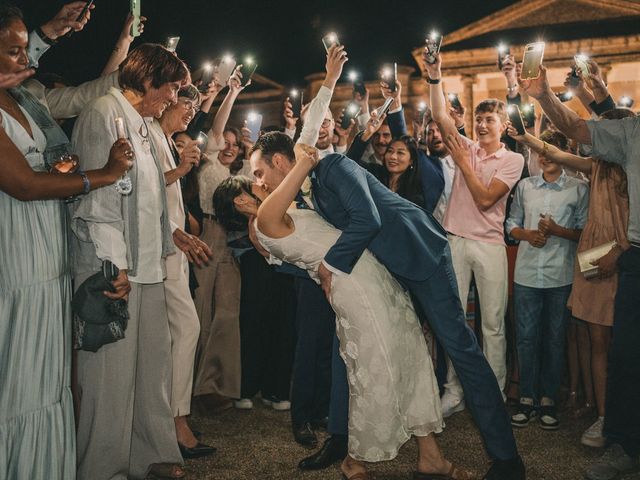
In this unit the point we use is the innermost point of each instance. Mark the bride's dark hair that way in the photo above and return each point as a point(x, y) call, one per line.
point(226, 213)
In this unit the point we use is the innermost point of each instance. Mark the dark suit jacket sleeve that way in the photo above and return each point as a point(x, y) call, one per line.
point(357, 148)
point(202, 122)
point(397, 124)
point(348, 183)
point(432, 180)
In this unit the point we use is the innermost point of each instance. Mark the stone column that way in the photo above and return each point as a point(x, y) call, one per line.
point(467, 101)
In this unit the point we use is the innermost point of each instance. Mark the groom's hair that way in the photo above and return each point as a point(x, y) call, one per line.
point(274, 142)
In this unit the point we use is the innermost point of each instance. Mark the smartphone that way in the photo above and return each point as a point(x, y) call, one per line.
point(351, 112)
point(515, 117)
point(223, 71)
point(454, 101)
point(172, 43)
point(574, 78)
point(582, 67)
point(384, 109)
point(529, 115)
point(109, 270)
point(390, 76)
point(533, 54)
point(247, 69)
point(86, 7)
point(329, 40)
point(136, 10)
point(120, 130)
point(359, 87)
point(564, 96)
point(296, 99)
point(433, 43)
point(503, 51)
point(202, 140)
point(254, 123)
point(207, 77)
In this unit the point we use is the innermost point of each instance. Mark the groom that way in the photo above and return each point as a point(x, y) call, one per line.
point(414, 248)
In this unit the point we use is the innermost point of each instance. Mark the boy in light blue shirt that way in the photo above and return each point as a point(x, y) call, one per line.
point(547, 216)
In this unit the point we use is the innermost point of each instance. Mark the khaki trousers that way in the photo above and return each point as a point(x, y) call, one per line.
point(125, 421)
point(218, 305)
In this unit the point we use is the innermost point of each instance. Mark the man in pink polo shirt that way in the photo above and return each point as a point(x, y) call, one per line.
point(485, 173)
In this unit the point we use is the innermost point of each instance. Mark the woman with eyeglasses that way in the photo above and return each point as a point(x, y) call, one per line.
point(217, 297)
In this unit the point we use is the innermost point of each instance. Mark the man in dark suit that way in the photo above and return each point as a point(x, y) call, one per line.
point(413, 247)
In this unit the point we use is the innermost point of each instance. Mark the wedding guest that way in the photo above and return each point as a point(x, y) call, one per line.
point(36, 406)
point(613, 141)
point(184, 325)
point(126, 425)
point(547, 216)
point(217, 367)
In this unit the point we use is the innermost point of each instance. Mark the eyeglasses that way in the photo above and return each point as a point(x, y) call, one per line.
point(189, 104)
point(326, 123)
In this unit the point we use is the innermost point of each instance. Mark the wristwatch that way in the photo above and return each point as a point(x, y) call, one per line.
point(433, 81)
point(44, 38)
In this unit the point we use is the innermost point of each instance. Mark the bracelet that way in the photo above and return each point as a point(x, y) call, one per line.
point(545, 148)
point(512, 89)
point(433, 81)
point(44, 38)
point(86, 183)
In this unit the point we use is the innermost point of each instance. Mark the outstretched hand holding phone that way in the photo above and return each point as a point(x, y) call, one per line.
point(336, 58)
point(67, 19)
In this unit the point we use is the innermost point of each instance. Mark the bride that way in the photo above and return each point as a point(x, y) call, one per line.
point(393, 393)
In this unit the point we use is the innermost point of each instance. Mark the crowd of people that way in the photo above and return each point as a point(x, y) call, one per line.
point(155, 257)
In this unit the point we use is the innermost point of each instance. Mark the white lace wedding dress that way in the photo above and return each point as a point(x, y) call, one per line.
point(393, 392)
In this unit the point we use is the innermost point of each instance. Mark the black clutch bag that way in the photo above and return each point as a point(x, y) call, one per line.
point(98, 320)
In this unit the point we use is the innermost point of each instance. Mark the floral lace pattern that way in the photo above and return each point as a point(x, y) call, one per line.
point(393, 393)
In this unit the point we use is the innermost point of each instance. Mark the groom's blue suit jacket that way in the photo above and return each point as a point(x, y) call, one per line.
point(404, 237)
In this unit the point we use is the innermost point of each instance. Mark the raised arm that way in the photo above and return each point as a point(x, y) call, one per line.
point(565, 119)
point(272, 219)
point(317, 110)
point(222, 117)
point(436, 96)
point(121, 48)
point(551, 152)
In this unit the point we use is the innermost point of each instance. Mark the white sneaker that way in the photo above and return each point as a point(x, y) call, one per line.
point(592, 436)
point(243, 404)
point(451, 404)
point(280, 405)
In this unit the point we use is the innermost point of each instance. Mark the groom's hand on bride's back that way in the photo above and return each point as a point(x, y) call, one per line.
point(325, 276)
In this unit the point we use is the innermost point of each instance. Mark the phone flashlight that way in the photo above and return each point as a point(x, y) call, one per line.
point(433, 35)
point(353, 76)
point(422, 106)
point(502, 48)
point(626, 101)
point(293, 93)
point(252, 116)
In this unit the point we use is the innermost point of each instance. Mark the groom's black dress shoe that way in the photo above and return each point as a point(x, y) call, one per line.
point(333, 450)
point(506, 470)
point(200, 450)
point(320, 424)
point(304, 435)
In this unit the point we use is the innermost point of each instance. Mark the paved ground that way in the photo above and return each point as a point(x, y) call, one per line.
point(258, 444)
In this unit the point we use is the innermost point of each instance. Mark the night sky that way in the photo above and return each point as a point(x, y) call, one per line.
point(283, 36)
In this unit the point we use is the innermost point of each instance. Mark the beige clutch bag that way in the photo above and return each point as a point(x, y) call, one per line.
point(596, 253)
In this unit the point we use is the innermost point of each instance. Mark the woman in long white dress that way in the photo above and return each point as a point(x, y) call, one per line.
point(37, 431)
point(393, 393)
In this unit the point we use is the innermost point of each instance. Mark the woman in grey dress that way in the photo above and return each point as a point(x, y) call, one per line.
point(37, 438)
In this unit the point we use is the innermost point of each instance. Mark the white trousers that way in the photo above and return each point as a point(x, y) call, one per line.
point(487, 263)
point(184, 327)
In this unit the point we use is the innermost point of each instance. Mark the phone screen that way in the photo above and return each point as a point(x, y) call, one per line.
point(359, 87)
point(207, 76)
point(390, 75)
point(254, 123)
point(172, 43)
point(529, 115)
point(433, 42)
point(516, 119)
point(296, 99)
point(574, 78)
point(533, 54)
point(202, 140)
point(454, 100)
point(224, 70)
point(384, 109)
point(582, 67)
point(329, 41)
point(502, 54)
point(136, 10)
point(351, 112)
point(247, 70)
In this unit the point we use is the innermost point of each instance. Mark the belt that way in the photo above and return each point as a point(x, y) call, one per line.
point(209, 216)
point(635, 244)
